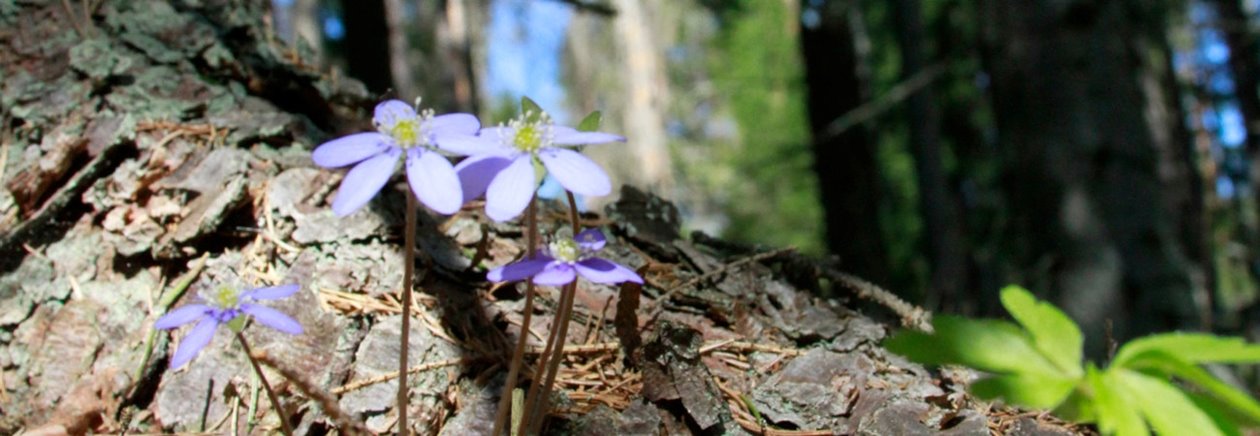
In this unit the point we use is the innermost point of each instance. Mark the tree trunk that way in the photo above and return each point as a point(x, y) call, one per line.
point(455, 48)
point(1244, 65)
point(646, 93)
point(1087, 199)
point(368, 44)
point(848, 178)
point(946, 253)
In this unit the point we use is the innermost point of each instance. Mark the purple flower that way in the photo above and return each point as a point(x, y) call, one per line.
point(502, 167)
point(563, 260)
point(376, 154)
point(225, 305)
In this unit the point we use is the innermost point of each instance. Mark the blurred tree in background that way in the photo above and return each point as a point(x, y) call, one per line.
point(1100, 152)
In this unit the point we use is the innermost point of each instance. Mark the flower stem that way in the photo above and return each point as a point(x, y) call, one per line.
point(271, 395)
point(518, 355)
point(573, 214)
point(540, 393)
point(409, 265)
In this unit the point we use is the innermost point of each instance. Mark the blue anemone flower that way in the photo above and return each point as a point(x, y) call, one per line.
point(501, 166)
point(224, 305)
point(375, 155)
point(563, 260)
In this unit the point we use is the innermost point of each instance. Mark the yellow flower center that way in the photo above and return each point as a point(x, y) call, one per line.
point(565, 250)
point(528, 138)
point(225, 297)
point(406, 133)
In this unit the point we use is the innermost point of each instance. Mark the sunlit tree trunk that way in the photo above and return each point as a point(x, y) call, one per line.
point(455, 47)
point(1082, 133)
point(646, 92)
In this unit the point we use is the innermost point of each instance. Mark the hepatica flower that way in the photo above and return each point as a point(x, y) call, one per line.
point(563, 260)
point(375, 155)
point(503, 166)
point(225, 305)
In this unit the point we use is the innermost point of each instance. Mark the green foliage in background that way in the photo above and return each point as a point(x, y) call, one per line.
point(756, 64)
point(1154, 383)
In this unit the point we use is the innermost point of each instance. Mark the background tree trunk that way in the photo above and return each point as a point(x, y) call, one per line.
point(1082, 162)
point(367, 45)
point(848, 178)
point(943, 227)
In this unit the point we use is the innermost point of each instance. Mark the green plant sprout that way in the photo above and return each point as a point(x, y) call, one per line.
point(1154, 383)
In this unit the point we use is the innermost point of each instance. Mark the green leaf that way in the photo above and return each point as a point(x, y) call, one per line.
point(1168, 409)
point(1191, 347)
point(1029, 390)
point(1078, 406)
point(533, 110)
point(1053, 333)
point(1116, 415)
point(1173, 366)
point(1223, 419)
point(591, 122)
point(987, 345)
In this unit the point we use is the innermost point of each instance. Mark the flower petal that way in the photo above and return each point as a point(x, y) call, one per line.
point(434, 181)
point(476, 173)
point(181, 316)
point(604, 271)
point(454, 124)
point(389, 112)
point(272, 318)
point(470, 145)
point(511, 190)
point(591, 240)
point(364, 181)
point(272, 292)
point(194, 341)
point(575, 172)
point(349, 149)
point(555, 274)
point(562, 135)
point(518, 270)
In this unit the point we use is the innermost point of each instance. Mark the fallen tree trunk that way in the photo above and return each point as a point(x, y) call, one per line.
point(161, 149)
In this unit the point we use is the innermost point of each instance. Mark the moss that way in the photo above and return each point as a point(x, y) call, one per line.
point(97, 59)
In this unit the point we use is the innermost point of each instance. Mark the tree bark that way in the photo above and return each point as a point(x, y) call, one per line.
point(1092, 223)
point(847, 172)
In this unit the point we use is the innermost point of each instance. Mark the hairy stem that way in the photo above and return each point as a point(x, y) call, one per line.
point(518, 355)
point(409, 265)
point(537, 403)
point(271, 395)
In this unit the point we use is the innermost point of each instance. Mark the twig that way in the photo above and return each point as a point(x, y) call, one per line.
point(166, 300)
point(590, 6)
point(4, 158)
point(360, 384)
point(911, 316)
point(659, 301)
point(870, 110)
point(346, 424)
